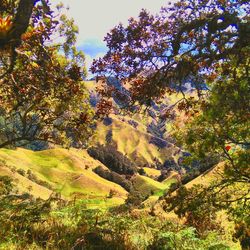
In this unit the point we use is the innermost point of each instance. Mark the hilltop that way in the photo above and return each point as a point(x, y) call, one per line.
point(68, 172)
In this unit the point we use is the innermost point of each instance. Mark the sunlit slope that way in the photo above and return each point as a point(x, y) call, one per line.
point(66, 171)
point(133, 142)
point(151, 188)
point(204, 179)
point(25, 185)
point(152, 172)
point(138, 135)
point(146, 185)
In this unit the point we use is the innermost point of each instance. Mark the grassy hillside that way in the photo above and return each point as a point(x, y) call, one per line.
point(147, 185)
point(151, 172)
point(66, 171)
point(133, 142)
point(131, 133)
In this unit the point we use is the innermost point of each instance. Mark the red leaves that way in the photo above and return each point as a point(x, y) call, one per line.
point(5, 25)
point(191, 34)
point(83, 117)
point(228, 148)
point(176, 43)
point(116, 58)
point(103, 107)
point(212, 77)
point(22, 90)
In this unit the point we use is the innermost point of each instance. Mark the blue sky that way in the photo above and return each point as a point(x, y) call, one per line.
point(95, 18)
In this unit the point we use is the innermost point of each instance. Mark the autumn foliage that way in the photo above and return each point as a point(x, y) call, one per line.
point(43, 97)
point(184, 43)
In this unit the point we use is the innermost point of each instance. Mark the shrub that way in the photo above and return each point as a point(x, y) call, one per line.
point(6, 185)
point(170, 163)
point(112, 193)
point(109, 136)
point(196, 206)
point(107, 121)
point(21, 172)
point(31, 176)
point(141, 171)
point(28, 223)
point(156, 164)
point(160, 143)
point(135, 198)
point(184, 238)
point(114, 177)
point(113, 159)
point(133, 123)
point(164, 175)
point(242, 232)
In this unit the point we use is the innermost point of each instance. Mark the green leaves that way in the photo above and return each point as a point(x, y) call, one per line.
point(189, 38)
point(43, 97)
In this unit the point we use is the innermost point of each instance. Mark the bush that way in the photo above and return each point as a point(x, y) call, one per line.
point(184, 238)
point(5, 185)
point(31, 176)
point(160, 143)
point(141, 171)
point(28, 223)
point(190, 176)
point(107, 121)
point(135, 198)
point(170, 163)
point(109, 136)
point(21, 172)
point(114, 177)
point(112, 193)
point(196, 206)
point(164, 174)
point(133, 123)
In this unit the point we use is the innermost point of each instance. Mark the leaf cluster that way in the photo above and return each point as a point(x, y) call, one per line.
point(43, 97)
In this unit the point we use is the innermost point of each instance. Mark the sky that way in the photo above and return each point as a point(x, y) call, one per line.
point(95, 18)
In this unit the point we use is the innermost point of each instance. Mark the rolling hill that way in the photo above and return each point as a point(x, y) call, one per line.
point(145, 138)
point(68, 172)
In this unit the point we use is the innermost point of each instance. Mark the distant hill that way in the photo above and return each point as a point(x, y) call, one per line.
point(144, 138)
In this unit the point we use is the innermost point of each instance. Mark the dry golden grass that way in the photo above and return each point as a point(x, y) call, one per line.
point(67, 171)
point(133, 142)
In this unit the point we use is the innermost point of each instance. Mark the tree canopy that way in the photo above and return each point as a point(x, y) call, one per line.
point(205, 42)
point(43, 97)
point(186, 40)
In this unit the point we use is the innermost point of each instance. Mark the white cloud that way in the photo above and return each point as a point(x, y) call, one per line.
point(95, 18)
point(88, 61)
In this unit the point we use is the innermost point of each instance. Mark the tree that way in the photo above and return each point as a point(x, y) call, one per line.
point(222, 130)
point(222, 126)
point(113, 159)
point(11, 31)
point(43, 97)
point(205, 42)
point(185, 41)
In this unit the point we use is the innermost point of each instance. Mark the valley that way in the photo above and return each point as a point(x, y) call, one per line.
point(129, 132)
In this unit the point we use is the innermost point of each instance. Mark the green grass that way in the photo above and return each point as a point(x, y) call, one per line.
point(66, 171)
point(149, 186)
